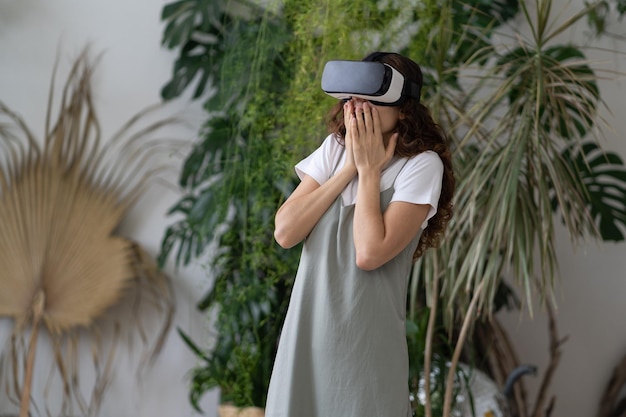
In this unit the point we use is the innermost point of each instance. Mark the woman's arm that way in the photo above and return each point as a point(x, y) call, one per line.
point(379, 237)
point(305, 206)
point(298, 215)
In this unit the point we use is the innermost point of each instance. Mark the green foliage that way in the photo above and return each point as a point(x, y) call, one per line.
point(232, 189)
point(516, 124)
point(604, 178)
point(601, 11)
point(509, 127)
point(416, 342)
point(416, 332)
point(266, 112)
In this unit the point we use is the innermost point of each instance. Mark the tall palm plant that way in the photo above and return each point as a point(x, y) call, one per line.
point(528, 154)
point(62, 264)
point(523, 117)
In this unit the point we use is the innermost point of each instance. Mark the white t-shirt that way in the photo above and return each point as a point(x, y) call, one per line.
point(418, 182)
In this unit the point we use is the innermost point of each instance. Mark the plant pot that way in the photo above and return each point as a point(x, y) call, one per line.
point(226, 410)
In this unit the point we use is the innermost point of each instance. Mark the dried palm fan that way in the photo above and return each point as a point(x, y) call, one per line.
point(62, 268)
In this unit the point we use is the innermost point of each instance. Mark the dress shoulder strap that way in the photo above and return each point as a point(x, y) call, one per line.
point(400, 170)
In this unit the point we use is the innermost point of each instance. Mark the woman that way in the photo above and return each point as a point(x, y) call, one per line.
point(372, 198)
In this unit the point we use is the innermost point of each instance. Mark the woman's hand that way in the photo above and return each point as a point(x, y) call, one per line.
point(368, 148)
point(348, 115)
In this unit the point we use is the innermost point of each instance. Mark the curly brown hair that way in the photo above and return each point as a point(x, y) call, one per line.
point(417, 133)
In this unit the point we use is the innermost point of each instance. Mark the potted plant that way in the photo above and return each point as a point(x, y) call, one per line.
point(266, 112)
point(518, 160)
point(522, 115)
point(233, 182)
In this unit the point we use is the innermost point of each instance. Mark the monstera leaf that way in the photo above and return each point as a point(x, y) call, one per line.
point(604, 176)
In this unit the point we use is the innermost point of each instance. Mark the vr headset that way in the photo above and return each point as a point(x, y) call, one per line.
point(376, 82)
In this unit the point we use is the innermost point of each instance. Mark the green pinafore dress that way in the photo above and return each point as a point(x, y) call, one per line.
point(343, 350)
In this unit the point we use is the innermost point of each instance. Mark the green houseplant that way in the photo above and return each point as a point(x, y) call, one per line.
point(521, 154)
point(527, 155)
point(266, 113)
point(234, 178)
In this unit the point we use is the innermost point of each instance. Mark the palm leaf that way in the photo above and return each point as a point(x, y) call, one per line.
point(62, 265)
point(510, 130)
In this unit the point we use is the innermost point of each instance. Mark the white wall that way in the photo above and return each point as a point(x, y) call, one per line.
point(132, 70)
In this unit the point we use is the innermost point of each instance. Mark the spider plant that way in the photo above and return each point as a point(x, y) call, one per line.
point(63, 266)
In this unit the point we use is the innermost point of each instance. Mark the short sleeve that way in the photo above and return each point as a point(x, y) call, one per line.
point(419, 182)
point(320, 164)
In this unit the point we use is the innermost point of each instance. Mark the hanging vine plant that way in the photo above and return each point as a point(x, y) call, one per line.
point(265, 112)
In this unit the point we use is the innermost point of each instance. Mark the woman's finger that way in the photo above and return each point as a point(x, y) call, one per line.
point(368, 113)
point(354, 130)
point(360, 123)
point(348, 111)
point(376, 122)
